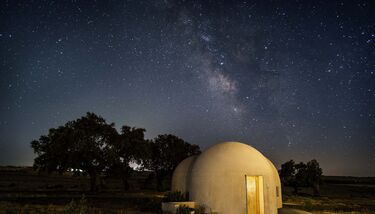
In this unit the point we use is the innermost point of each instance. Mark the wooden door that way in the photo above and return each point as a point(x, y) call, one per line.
point(254, 194)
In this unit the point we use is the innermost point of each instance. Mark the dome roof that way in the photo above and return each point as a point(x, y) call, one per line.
point(230, 156)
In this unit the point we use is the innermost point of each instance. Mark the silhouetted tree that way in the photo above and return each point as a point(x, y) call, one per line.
point(165, 153)
point(287, 172)
point(301, 175)
point(79, 144)
point(314, 174)
point(128, 147)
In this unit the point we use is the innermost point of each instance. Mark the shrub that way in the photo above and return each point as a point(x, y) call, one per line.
point(199, 209)
point(80, 207)
point(176, 196)
point(184, 210)
point(150, 205)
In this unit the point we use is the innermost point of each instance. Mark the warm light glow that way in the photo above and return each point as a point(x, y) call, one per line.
point(254, 195)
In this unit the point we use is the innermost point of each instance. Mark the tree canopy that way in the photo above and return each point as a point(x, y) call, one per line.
point(80, 144)
point(92, 145)
point(128, 147)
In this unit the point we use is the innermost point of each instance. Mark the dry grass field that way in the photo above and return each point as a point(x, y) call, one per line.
point(338, 195)
point(24, 191)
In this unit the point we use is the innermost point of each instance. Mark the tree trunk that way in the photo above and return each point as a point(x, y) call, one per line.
point(93, 179)
point(295, 187)
point(159, 179)
point(101, 184)
point(125, 183)
point(316, 188)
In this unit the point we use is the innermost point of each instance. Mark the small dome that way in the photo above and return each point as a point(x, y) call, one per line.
point(181, 175)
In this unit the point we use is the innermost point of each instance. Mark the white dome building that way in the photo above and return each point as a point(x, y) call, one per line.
point(230, 178)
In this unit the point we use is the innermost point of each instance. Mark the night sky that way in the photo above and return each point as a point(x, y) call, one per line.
point(294, 79)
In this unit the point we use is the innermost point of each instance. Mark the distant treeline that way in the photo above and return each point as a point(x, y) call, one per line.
point(348, 180)
point(310, 174)
point(29, 170)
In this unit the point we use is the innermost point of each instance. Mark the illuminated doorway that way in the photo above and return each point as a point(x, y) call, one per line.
point(254, 195)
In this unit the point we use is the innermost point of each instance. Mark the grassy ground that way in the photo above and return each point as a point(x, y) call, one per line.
point(24, 191)
point(73, 203)
point(335, 198)
point(8, 208)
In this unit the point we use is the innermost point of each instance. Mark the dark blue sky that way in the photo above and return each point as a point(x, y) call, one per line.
point(294, 79)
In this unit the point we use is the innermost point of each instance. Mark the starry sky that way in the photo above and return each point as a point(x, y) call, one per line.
point(294, 79)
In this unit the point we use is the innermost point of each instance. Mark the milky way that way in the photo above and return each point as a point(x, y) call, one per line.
point(294, 80)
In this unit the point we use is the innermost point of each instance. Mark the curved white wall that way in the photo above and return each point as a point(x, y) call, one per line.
point(181, 175)
point(278, 185)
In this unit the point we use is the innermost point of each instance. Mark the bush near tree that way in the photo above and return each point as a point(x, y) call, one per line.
point(165, 153)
